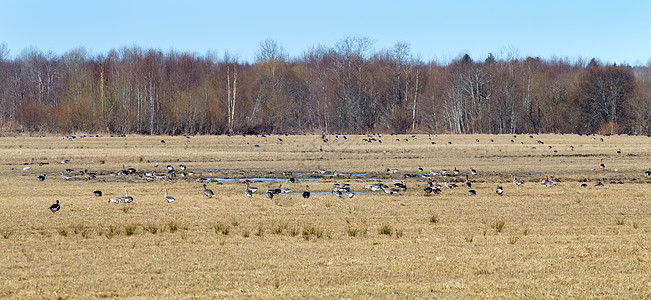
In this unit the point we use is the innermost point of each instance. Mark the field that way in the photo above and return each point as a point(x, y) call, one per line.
point(563, 241)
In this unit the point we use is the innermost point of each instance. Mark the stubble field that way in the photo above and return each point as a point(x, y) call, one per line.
point(563, 241)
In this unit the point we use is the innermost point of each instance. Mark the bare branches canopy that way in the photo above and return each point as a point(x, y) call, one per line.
point(347, 88)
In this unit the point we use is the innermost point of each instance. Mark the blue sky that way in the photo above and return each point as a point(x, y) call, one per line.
point(612, 31)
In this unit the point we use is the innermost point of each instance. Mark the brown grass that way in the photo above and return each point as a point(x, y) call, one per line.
point(536, 242)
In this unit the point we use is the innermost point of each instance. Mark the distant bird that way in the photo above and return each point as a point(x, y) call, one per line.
point(571, 148)
point(162, 141)
point(41, 177)
point(473, 171)
point(555, 181)
point(65, 176)
point(89, 176)
point(499, 190)
point(183, 167)
point(647, 173)
point(284, 190)
point(127, 198)
point(269, 194)
point(450, 185)
point(167, 198)
point(468, 183)
point(306, 194)
point(619, 151)
point(97, 193)
point(249, 191)
point(599, 184)
point(55, 207)
point(207, 192)
point(584, 185)
point(517, 181)
point(472, 192)
point(601, 165)
point(546, 183)
point(400, 186)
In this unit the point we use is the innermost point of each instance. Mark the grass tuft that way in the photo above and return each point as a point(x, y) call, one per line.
point(385, 229)
point(130, 229)
point(222, 228)
point(434, 219)
point(498, 225)
point(172, 226)
point(151, 228)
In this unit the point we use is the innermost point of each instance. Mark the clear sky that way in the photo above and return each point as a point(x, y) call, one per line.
point(612, 31)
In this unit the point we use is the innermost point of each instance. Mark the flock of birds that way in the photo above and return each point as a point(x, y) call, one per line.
point(342, 190)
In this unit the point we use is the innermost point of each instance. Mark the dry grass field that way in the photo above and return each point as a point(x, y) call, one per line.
point(537, 242)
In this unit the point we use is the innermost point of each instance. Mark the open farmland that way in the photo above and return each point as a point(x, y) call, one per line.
point(533, 241)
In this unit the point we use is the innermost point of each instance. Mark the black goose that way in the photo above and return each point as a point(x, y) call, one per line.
point(55, 207)
point(207, 192)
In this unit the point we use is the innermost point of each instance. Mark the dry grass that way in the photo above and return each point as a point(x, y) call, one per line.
point(535, 242)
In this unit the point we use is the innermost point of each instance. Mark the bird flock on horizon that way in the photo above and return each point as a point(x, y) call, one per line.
point(432, 179)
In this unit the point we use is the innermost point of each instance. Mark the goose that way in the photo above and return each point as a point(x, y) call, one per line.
point(472, 192)
point(601, 165)
point(269, 194)
point(584, 185)
point(65, 176)
point(41, 177)
point(207, 192)
point(183, 167)
point(647, 173)
point(599, 184)
point(455, 171)
point(468, 183)
point(127, 198)
point(450, 185)
point(389, 190)
point(473, 171)
point(97, 193)
point(55, 207)
point(499, 190)
point(249, 191)
point(546, 182)
point(167, 198)
point(89, 176)
point(555, 181)
point(374, 187)
point(306, 194)
point(517, 181)
point(284, 190)
point(400, 186)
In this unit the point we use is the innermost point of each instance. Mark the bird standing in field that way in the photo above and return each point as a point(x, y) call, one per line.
point(41, 177)
point(517, 181)
point(55, 207)
point(168, 198)
point(249, 191)
point(306, 194)
point(499, 190)
point(65, 176)
point(207, 192)
point(97, 193)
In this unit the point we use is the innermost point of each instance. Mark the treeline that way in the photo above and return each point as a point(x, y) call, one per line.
point(345, 88)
